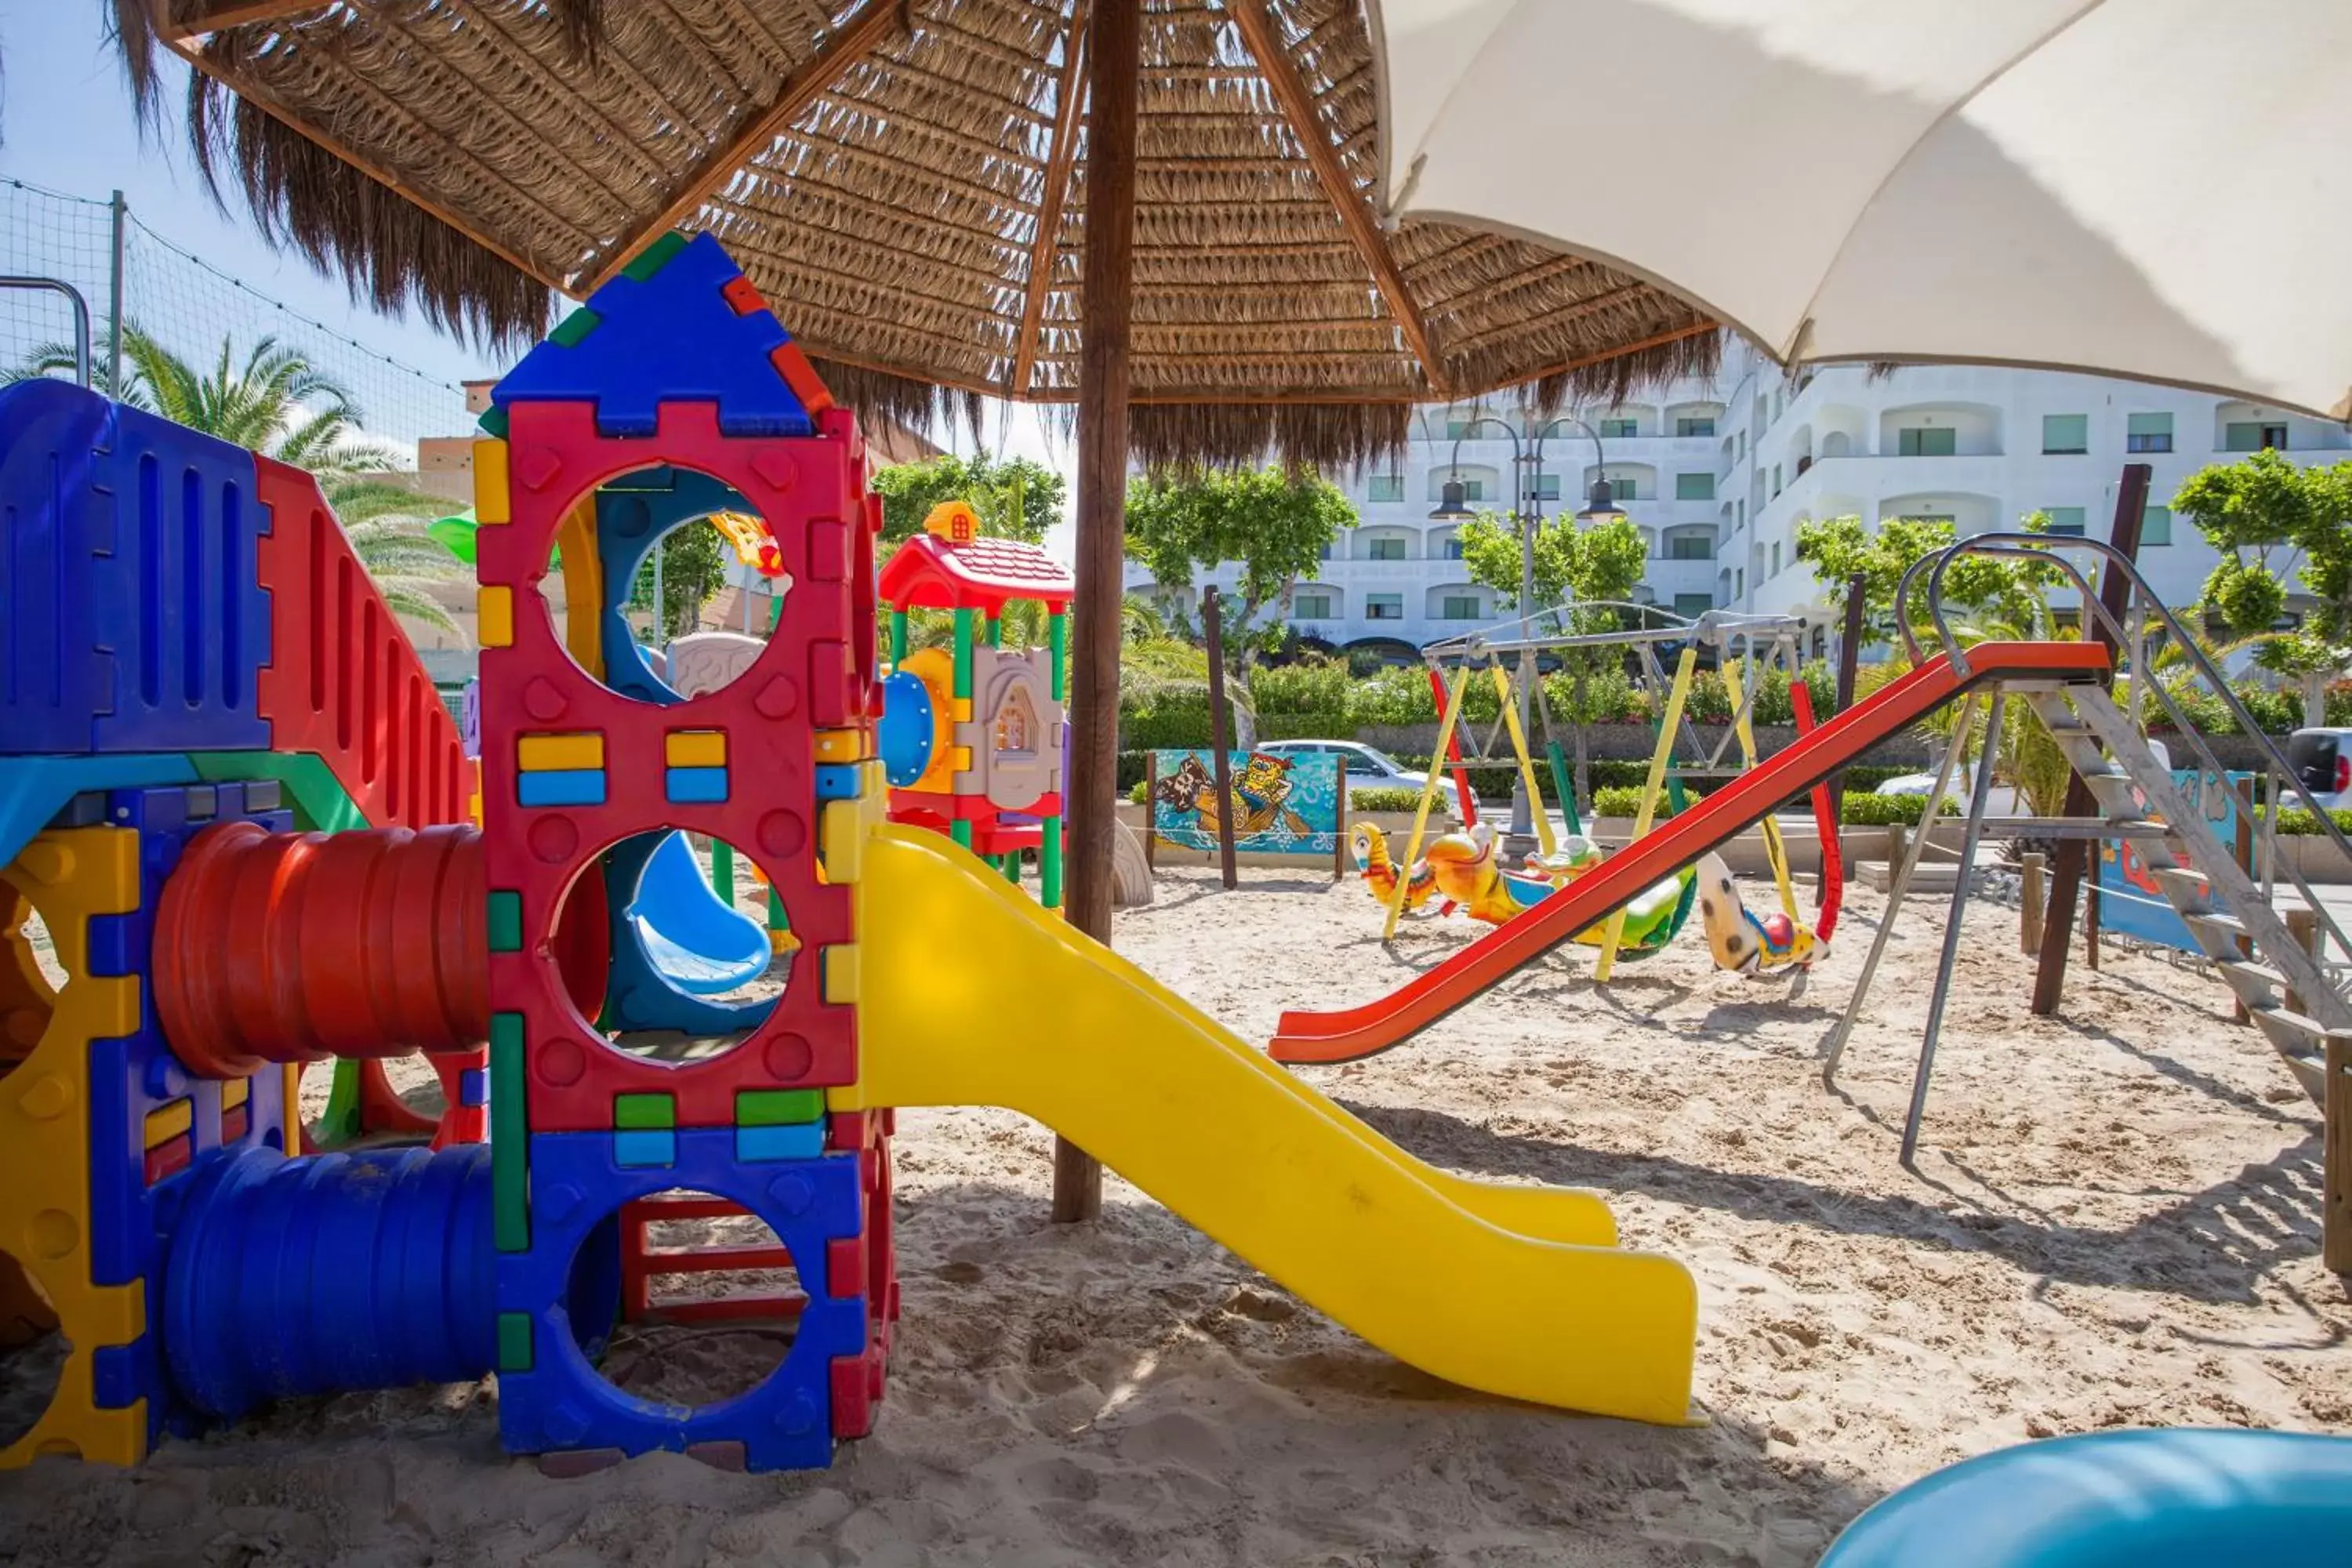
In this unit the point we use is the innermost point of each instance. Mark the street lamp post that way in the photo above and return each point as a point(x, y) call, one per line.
point(1527, 513)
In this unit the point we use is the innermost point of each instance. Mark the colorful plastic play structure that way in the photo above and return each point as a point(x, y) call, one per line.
point(971, 733)
point(231, 797)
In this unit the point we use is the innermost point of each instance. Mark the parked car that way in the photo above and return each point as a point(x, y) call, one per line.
point(2000, 800)
point(1368, 766)
point(2322, 761)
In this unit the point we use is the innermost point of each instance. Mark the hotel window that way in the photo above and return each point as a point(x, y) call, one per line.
point(1694, 487)
point(1702, 426)
point(1690, 547)
point(1453, 551)
point(1458, 608)
point(2066, 435)
point(1619, 429)
point(2156, 525)
point(1693, 605)
point(1312, 607)
point(2065, 519)
point(1547, 486)
point(1625, 488)
point(1472, 489)
point(2253, 435)
point(1384, 607)
point(1384, 549)
point(1385, 487)
point(1933, 441)
point(2148, 433)
point(1776, 558)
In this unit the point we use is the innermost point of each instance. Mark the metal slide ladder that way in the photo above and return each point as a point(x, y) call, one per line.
point(2223, 908)
point(2230, 917)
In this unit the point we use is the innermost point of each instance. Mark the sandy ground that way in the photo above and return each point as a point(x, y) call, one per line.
point(2114, 1222)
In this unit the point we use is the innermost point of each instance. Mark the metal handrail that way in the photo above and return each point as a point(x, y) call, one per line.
point(2144, 601)
point(80, 311)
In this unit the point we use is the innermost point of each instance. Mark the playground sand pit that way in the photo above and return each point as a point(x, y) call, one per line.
point(2114, 1222)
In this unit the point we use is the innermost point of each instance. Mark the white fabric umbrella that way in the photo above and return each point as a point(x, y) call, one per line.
point(2154, 188)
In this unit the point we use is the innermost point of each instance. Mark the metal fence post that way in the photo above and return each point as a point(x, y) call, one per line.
point(118, 213)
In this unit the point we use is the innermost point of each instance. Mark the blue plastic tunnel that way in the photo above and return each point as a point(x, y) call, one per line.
point(333, 1272)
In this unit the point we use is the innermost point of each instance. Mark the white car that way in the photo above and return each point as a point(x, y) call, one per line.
point(2000, 800)
point(2322, 761)
point(1368, 766)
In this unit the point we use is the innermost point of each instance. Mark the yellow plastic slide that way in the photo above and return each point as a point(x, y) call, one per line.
point(970, 995)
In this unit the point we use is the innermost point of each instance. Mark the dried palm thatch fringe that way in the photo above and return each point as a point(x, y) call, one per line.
point(893, 213)
point(878, 396)
point(1613, 380)
point(390, 251)
point(1330, 437)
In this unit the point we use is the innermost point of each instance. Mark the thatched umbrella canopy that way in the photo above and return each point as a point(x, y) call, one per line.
point(906, 178)
point(910, 182)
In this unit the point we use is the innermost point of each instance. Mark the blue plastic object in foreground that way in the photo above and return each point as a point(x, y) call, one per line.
point(330, 1272)
point(905, 734)
point(2187, 1498)
point(692, 937)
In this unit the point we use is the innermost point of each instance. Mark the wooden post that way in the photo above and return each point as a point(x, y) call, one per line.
point(1849, 668)
point(1898, 846)
point(1220, 731)
point(1150, 809)
point(2303, 925)
point(1339, 835)
point(2066, 874)
point(2092, 903)
point(1114, 61)
point(2335, 1173)
point(2243, 851)
point(2029, 903)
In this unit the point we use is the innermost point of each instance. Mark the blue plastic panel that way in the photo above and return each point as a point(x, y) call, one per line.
point(562, 1402)
point(672, 337)
point(127, 580)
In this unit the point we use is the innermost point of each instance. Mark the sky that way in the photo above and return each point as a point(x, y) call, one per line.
point(65, 123)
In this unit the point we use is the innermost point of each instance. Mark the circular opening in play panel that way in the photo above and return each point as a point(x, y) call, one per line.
point(710, 1301)
point(33, 1351)
point(700, 949)
point(667, 580)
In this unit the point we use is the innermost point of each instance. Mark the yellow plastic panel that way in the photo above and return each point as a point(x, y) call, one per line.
point(1439, 1271)
point(492, 500)
point(45, 1213)
point(548, 753)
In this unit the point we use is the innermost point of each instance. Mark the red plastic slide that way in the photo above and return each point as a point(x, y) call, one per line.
point(1353, 1032)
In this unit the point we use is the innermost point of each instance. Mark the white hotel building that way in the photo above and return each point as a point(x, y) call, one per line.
point(1719, 476)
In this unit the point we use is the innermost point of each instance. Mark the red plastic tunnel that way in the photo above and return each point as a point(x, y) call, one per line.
point(294, 947)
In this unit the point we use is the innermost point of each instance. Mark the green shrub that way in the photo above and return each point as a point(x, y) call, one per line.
point(1888, 810)
point(2294, 822)
point(1386, 797)
point(1620, 800)
point(1140, 792)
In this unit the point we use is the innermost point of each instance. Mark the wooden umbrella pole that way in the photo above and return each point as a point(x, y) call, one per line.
point(1114, 61)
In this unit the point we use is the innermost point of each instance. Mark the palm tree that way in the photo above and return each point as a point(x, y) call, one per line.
point(280, 404)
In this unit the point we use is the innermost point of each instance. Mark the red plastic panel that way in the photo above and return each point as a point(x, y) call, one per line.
point(341, 680)
point(808, 486)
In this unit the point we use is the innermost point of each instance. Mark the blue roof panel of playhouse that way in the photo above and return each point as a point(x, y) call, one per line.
point(135, 621)
point(670, 337)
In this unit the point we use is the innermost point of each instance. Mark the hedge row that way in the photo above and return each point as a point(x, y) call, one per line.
point(1320, 700)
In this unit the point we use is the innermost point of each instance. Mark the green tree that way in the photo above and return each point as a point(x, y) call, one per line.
point(278, 404)
point(1275, 523)
point(1840, 548)
point(693, 569)
point(1605, 561)
point(1593, 569)
point(2266, 517)
point(1014, 498)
